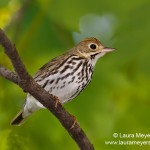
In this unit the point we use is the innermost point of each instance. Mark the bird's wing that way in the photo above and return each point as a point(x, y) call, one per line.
point(51, 66)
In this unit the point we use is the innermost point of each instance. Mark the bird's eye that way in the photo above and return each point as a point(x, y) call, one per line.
point(93, 46)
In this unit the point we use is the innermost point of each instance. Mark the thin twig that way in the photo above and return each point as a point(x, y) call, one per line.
point(9, 75)
point(26, 82)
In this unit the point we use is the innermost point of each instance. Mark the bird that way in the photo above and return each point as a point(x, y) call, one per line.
point(65, 76)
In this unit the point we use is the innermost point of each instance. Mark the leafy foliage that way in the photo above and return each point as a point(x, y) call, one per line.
point(117, 100)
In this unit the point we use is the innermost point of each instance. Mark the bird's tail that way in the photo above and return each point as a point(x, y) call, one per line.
point(19, 119)
point(31, 105)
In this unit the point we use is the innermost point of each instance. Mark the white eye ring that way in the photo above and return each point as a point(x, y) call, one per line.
point(92, 46)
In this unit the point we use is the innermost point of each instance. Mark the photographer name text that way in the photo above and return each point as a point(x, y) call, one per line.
point(131, 135)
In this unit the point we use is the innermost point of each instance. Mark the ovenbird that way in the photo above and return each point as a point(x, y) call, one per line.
point(66, 75)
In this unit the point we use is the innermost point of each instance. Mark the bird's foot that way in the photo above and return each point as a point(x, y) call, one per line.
point(74, 122)
point(57, 101)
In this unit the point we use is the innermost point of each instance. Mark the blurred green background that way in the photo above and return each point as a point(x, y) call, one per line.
point(118, 98)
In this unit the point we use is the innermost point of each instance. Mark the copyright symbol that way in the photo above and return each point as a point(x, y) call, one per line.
point(115, 135)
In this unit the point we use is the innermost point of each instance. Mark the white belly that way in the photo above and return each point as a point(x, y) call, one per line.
point(65, 86)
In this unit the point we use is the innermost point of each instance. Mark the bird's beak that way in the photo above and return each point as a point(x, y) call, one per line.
point(108, 49)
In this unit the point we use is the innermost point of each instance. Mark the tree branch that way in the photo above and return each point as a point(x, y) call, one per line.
point(9, 75)
point(27, 83)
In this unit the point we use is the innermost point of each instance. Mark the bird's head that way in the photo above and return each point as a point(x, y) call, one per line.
point(92, 48)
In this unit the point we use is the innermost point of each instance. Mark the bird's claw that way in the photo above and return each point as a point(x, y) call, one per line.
point(74, 122)
point(57, 101)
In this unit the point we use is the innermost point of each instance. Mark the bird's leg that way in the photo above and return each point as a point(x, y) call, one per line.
point(74, 122)
point(57, 101)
